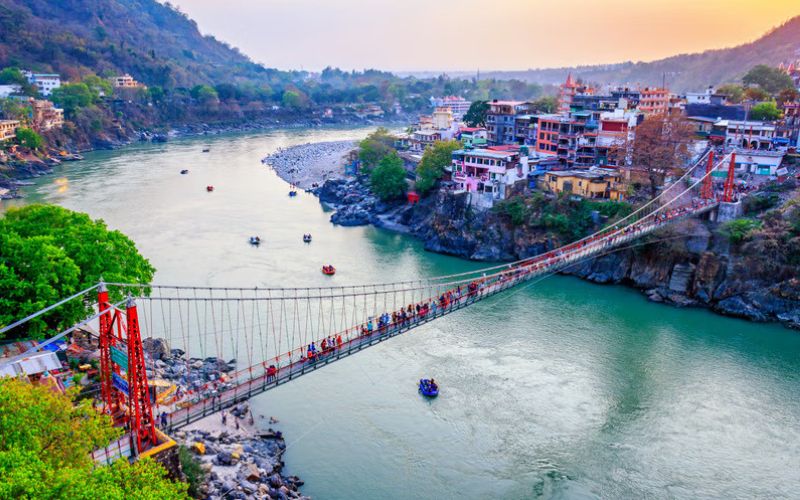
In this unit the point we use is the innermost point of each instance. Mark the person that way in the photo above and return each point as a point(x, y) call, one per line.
point(433, 385)
point(224, 418)
point(163, 420)
point(271, 372)
point(236, 421)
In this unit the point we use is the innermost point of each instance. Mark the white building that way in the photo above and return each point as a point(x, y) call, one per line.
point(45, 82)
point(746, 134)
point(758, 162)
point(457, 104)
point(7, 90)
point(488, 174)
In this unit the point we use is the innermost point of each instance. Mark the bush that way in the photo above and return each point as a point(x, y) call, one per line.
point(760, 202)
point(388, 179)
point(191, 468)
point(433, 163)
point(739, 230)
point(515, 208)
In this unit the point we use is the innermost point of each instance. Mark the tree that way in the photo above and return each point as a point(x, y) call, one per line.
point(28, 138)
point(661, 147)
point(772, 80)
point(204, 94)
point(756, 94)
point(98, 86)
point(293, 99)
point(388, 179)
point(375, 147)
point(48, 253)
point(788, 95)
point(476, 114)
point(433, 163)
point(546, 104)
point(765, 111)
point(734, 92)
point(45, 450)
point(72, 97)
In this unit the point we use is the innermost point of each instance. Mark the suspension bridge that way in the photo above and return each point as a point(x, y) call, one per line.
point(276, 335)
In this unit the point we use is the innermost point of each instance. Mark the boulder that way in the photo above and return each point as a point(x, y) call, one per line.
point(156, 348)
point(252, 473)
point(224, 458)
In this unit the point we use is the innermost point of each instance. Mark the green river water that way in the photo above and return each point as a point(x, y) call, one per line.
point(564, 389)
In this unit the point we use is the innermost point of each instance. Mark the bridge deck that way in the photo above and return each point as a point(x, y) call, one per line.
point(289, 369)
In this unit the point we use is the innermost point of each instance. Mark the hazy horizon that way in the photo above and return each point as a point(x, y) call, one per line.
point(468, 35)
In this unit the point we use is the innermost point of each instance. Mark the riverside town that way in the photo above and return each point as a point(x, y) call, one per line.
point(580, 280)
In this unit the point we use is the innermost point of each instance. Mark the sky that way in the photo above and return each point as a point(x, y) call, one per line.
point(449, 35)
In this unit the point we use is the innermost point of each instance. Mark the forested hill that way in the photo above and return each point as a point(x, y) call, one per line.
point(686, 71)
point(155, 43)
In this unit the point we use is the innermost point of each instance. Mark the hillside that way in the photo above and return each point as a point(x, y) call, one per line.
point(683, 72)
point(155, 43)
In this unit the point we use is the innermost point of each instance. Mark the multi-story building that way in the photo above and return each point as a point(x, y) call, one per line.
point(442, 118)
point(488, 174)
point(789, 125)
point(593, 183)
point(615, 136)
point(744, 134)
point(654, 101)
point(631, 97)
point(8, 129)
point(501, 118)
point(707, 97)
point(45, 116)
point(457, 104)
point(125, 81)
point(45, 83)
point(423, 139)
point(472, 137)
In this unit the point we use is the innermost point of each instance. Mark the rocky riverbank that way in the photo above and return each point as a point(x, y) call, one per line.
point(239, 459)
point(307, 165)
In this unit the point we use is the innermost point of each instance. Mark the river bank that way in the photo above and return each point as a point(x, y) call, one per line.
point(239, 457)
point(309, 165)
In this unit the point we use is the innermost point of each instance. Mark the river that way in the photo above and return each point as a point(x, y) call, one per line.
point(564, 389)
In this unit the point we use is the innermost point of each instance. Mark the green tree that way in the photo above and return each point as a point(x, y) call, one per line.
point(48, 253)
point(739, 230)
point(765, 111)
point(375, 147)
point(388, 179)
point(293, 99)
point(28, 138)
point(73, 96)
point(98, 86)
point(433, 163)
point(734, 92)
point(204, 93)
point(772, 80)
point(756, 94)
point(476, 114)
point(45, 447)
point(545, 104)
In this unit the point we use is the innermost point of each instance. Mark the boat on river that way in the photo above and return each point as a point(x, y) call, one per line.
point(328, 270)
point(428, 388)
point(307, 238)
point(209, 188)
point(184, 171)
point(255, 240)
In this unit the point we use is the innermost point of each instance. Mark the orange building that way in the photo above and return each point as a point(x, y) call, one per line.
point(654, 101)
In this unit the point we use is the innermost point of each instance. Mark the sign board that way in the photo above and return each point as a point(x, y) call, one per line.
point(119, 357)
point(119, 382)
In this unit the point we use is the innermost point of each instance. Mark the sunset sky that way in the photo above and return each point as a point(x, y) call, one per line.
point(468, 34)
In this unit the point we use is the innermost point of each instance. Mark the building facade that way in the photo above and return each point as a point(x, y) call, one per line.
point(45, 83)
point(457, 104)
point(8, 130)
point(654, 101)
point(501, 120)
point(488, 174)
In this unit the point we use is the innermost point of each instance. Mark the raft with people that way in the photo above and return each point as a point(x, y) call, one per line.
point(184, 171)
point(307, 238)
point(328, 270)
point(209, 188)
point(428, 388)
point(255, 240)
